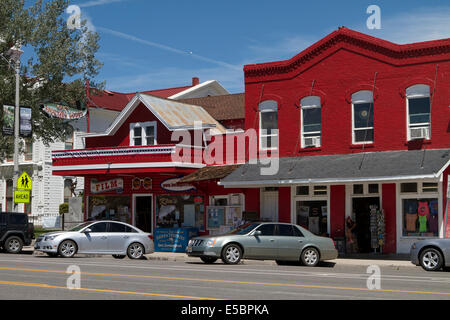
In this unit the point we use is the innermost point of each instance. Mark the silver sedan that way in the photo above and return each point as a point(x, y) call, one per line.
point(102, 237)
point(431, 254)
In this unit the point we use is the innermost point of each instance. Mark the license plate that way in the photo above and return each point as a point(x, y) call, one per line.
point(189, 249)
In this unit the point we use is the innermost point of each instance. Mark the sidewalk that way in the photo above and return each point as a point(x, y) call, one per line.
point(395, 261)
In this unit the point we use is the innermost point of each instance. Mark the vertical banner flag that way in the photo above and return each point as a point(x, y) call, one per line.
point(8, 120)
point(25, 122)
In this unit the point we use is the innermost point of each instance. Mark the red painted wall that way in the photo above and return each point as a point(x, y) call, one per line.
point(284, 204)
point(337, 211)
point(335, 78)
point(389, 206)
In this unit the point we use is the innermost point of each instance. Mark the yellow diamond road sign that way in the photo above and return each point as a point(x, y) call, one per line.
point(24, 182)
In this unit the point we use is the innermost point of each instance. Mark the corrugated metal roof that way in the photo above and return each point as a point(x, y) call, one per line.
point(177, 115)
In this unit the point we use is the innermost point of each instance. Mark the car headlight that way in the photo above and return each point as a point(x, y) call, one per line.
point(49, 238)
point(210, 243)
point(190, 243)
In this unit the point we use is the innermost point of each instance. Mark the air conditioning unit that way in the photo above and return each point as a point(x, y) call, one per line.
point(312, 142)
point(420, 133)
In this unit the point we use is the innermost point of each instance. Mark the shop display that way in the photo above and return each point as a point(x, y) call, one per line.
point(110, 208)
point(420, 218)
point(216, 217)
point(180, 211)
point(377, 228)
point(313, 215)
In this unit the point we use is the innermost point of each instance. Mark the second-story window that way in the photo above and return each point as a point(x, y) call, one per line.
point(68, 143)
point(143, 134)
point(418, 112)
point(311, 119)
point(363, 130)
point(268, 125)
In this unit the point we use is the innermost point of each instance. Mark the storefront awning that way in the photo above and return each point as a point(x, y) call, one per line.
point(209, 173)
point(356, 167)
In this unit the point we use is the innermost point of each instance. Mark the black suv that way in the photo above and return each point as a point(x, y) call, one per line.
point(15, 231)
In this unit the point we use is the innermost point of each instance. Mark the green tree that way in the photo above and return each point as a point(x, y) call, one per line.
point(62, 59)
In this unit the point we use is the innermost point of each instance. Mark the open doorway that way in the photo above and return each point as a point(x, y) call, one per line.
point(143, 206)
point(361, 210)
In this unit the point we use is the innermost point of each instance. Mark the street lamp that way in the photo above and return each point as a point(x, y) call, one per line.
point(14, 53)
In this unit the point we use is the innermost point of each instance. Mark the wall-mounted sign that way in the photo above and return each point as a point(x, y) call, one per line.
point(105, 186)
point(8, 120)
point(63, 112)
point(25, 127)
point(146, 183)
point(173, 185)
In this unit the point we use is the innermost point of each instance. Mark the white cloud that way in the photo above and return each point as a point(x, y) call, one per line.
point(420, 24)
point(95, 3)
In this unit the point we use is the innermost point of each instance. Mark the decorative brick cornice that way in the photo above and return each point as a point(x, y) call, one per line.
point(351, 39)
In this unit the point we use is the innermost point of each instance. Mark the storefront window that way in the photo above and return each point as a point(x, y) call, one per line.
point(313, 215)
point(180, 211)
point(420, 217)
point(408, 187)
point(115, 208)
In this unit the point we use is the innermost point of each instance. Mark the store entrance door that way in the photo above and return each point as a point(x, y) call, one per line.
point(269, 206)
point(361, 209)
point(143, 206)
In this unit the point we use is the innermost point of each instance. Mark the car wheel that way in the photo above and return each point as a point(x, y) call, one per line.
point(119, 256)
point(431, 259)
point(67, 249)
point(208, 260)
point(135, 251)
point(310, 257)
point(13, 245)
point(232, 254)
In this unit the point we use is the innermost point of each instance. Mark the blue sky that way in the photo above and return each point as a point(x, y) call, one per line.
point(148, 44)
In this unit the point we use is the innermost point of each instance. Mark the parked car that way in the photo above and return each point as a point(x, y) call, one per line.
point(102, 237)
point(281, 242)
point(15, 231)
point(431, 254)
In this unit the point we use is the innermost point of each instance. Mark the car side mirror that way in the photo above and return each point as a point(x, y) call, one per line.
point(87, 230)
point(257, 233)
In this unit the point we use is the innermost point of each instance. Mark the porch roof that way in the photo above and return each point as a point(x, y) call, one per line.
point(355, 167)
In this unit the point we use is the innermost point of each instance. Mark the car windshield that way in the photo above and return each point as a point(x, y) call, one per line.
point(244, 229)
point(80, 226)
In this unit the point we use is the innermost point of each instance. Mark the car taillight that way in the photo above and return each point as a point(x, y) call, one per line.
point(151, 237)
point(334, 244)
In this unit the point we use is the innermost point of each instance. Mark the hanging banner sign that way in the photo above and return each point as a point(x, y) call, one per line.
point(8, 120)
point(63, 112)
point(25, 127)
point(105, 186)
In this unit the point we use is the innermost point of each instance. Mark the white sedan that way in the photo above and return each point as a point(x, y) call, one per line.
point(101, 237)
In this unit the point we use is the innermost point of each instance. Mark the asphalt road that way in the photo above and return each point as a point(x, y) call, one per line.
point(41, 277)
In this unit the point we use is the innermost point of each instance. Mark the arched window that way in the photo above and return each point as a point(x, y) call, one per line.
point(418, 105)
point(311, 120)
point(362, 117)
point(268, 125)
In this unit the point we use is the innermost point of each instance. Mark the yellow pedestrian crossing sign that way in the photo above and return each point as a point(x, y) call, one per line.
point(24, 182)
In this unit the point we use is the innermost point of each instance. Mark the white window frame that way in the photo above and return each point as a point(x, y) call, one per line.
point(363, 96)
point(263, 108)
point(143, 126)
point(414, 92)
point(307, 103)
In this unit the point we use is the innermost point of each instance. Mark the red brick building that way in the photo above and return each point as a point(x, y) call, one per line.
point(375, 115)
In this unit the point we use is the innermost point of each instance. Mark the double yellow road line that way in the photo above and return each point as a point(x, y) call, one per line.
point(195, 280)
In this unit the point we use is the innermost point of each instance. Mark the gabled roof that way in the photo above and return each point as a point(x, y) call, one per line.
point(344, 38)
point(225, 107)
point(116, 101)
point(173, 114)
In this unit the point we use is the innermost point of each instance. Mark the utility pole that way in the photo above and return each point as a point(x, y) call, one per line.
point(16, 130)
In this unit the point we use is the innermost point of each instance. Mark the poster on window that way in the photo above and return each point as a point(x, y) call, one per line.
point(216, 217)
point(8, 120)
point(25, 127)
